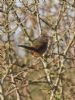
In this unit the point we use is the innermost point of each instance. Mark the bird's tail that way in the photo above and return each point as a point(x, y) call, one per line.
point(27, 47)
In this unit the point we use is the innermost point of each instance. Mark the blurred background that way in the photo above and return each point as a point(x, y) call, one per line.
point(23, 76)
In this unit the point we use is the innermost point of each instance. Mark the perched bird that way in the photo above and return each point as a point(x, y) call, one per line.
point(39, 45)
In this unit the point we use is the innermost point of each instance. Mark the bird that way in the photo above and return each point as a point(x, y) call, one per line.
point(39, 45)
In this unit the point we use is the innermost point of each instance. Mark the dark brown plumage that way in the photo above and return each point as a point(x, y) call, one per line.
point(39, 45)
